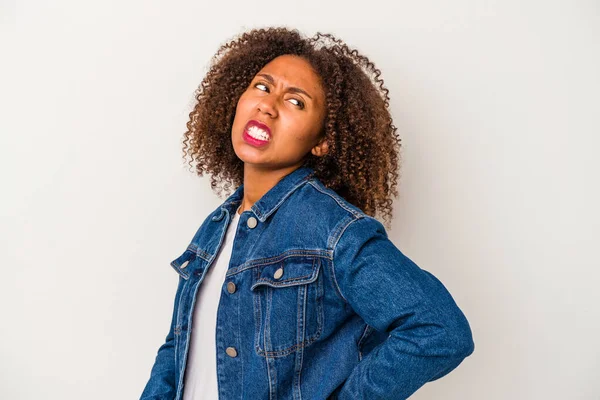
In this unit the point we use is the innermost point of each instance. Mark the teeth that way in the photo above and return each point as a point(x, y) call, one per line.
point(258, 133)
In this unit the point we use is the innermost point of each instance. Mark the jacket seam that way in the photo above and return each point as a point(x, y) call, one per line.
point(337, 233)
point(261, 262)
point(337, 239)
point(366, 332)
point(335, 198)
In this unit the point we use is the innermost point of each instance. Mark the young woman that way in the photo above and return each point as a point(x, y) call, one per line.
point(291, 289)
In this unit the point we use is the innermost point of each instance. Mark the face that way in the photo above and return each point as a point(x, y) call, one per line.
point(279, 118)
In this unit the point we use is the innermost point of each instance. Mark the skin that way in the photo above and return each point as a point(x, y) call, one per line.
point(295, 120)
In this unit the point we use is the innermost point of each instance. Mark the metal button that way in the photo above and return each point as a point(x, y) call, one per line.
point(278, 274)
point(231, 287)
point(231, 352)
point(185, 263)
point(252, 222)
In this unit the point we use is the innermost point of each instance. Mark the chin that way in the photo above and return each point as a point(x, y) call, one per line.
point(245, 156)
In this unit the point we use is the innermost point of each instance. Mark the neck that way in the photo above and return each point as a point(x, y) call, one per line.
point(259, 181)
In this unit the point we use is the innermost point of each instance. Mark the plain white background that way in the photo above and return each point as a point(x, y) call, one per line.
point(498, 107)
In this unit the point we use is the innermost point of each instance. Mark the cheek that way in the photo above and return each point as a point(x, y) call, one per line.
point(240, 104)
point(310, 127)
point(304, 133)
point(241, 109)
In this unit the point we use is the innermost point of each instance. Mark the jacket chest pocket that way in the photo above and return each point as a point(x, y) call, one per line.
point(288, 305)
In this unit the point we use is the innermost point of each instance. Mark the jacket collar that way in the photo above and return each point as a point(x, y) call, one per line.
point(274, 197)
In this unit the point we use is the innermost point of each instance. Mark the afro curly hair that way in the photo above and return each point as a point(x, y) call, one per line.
point(362, 162)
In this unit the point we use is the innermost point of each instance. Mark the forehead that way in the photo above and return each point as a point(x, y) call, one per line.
point(293, 70)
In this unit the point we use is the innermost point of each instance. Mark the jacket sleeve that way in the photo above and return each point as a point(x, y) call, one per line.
point(162, 385)
point(428, 334)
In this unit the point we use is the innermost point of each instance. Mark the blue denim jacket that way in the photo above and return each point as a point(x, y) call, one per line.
point(325, 306)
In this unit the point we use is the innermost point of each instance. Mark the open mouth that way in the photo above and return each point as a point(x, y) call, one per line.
point(257, 133)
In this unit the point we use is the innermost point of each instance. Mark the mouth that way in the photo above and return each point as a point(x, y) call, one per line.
point(256, 132)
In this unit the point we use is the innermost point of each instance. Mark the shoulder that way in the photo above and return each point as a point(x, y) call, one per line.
point(321, 199)
point(327, 211)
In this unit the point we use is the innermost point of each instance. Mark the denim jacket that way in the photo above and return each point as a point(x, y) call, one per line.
point(323, 305)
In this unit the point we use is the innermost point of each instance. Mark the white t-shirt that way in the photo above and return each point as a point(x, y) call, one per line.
point(201, 371)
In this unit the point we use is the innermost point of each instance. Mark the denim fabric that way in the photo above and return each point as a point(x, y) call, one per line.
point(350, 317)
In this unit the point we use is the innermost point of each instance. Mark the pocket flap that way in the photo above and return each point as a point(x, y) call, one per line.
point(290, 271)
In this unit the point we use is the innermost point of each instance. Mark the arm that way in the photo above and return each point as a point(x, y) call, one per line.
point(162, 385)
point(428, 334)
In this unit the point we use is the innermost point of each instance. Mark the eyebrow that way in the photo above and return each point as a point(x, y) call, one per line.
point(291, 88)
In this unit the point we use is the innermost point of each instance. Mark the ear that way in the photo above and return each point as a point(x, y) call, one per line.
point(321, 149)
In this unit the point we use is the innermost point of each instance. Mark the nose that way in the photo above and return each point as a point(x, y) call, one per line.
point(267, 105)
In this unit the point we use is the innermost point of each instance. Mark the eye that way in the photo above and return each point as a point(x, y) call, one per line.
point(299, 104)
point(260, 84)
point(264, 88)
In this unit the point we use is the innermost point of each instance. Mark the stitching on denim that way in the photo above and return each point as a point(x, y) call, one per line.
point(268, 311)
point(286, 283)
point(203, 255)
point(337, 198)
point(278, 258)
point(177, 321)
point(333, 261)
point(239, 326)
point(192, 247)
point(337, 232)
point(319, 299)
point(198, 251)
point(291, 349)
point(179, 313)
point(308, 341)
point(257, 318)
point(300, 355)
point(189, 332)
point(179, 271)
point(367, 331)
point(290, 282)
point(223, 233)
point(268, 335)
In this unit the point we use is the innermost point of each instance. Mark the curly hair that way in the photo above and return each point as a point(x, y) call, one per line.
point(362, 164)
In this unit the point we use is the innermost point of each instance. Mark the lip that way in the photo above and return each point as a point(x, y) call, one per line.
point(260, 125)
point(254, 141)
